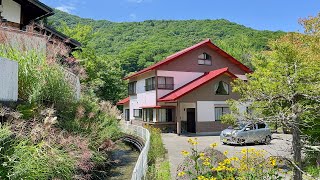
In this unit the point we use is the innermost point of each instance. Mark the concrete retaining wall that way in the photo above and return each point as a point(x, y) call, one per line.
point(8, 80)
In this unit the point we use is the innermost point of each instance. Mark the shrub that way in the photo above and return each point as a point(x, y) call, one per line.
point(157, 149)
point(252, 164)
point(21, 159)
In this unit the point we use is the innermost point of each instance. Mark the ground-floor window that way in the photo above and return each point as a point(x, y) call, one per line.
point(137, 113)
point(148, 115)
point(165, 115)
point(127, 114)
point(219, 111)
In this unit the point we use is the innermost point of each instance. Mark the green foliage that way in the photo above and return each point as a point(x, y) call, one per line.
point(21, 159)
point(39, 82)
point(157, 150)
point(161, 171)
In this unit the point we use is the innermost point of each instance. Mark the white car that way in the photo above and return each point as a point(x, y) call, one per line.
point(245, 132)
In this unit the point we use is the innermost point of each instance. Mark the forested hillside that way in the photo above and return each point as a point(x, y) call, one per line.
point(112, 50)
point(139, 44)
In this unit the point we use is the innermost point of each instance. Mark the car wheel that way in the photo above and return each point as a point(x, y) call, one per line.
point(267, 140)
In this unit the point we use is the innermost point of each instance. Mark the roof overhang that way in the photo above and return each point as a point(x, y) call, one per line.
point(33, 10)
point(158, 107)
point(123, 101)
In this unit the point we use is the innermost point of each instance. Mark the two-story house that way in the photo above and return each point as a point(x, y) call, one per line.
point(186, 92)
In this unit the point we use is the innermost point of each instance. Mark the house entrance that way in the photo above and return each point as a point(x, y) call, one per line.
point(191, 120)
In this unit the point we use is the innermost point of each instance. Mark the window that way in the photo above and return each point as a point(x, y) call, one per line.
point(150, 84)
point(204, 59)
point(132, 88)
point(165, 115)
point(221, 88)
point(148, 115)
point(137, 113)
point(219, 111)
point(165, 83)
point(261, 125)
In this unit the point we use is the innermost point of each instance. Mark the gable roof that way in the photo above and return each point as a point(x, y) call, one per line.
point(182, 52)
point(124, 101)
point(207, 77)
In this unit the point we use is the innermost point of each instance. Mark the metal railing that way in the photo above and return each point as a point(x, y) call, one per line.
point(141, 167)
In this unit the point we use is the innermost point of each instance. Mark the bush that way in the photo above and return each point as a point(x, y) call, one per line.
point(157, 149)
point(159, 171)
point(21, 159)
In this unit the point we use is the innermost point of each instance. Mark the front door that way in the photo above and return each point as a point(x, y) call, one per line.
point(127, 114)
point(191, 120)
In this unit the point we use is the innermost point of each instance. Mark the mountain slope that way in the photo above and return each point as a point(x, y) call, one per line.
point(140, 44)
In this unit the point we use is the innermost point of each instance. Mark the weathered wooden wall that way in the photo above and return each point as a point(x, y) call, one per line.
point(8, 80)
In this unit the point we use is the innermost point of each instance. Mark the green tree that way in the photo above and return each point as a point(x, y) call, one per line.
point(285, 86)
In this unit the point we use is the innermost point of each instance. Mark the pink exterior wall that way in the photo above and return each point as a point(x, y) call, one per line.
point(180, 78)
point(189, 62)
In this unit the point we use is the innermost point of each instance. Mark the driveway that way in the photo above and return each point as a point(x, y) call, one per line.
point(280, 146)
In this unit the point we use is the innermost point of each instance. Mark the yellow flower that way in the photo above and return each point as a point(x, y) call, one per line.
point(213, 145)
point(273, 161)
point(201, 154)
point(181, 173)
point(213, 178)
point(244, 151)
point(201, 178)
point(192, 142)
point(227, 161)
point(185, 153)
point(225, 153)
point(206, 163)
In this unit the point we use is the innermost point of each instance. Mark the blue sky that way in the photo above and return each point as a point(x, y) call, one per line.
point(258, 14)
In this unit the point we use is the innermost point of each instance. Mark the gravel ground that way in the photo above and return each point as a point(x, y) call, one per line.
point(280, 146)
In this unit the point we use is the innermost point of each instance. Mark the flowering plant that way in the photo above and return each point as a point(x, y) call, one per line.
point(214, 165)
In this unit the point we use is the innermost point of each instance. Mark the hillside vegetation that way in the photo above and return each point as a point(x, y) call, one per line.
point(140, 44)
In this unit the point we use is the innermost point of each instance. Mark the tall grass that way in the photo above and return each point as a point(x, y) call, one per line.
point(39, 81)
point(21, 159)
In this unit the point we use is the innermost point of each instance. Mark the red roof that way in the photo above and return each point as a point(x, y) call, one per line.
point(124, 101)
point(156, 107)
point(180, 53)
point(176, 94)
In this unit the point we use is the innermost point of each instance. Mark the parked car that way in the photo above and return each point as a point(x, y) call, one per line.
point(246, 132)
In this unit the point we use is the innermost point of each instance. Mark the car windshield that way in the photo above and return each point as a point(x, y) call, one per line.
point(239, 126)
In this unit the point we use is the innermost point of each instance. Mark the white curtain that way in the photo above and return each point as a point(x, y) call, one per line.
point(215, 88)
point(226, 87)
point(218, 113)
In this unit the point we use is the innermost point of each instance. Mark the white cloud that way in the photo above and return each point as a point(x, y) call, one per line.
point(133, 16)
point(139, 1)
point(66, 8)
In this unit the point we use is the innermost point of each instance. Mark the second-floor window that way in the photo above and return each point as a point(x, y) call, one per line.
point(150, 84)
point(165, 83)
point(204, 59)
point(132, 86)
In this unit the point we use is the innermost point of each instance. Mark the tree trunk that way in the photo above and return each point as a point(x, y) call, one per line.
point(296, 144)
